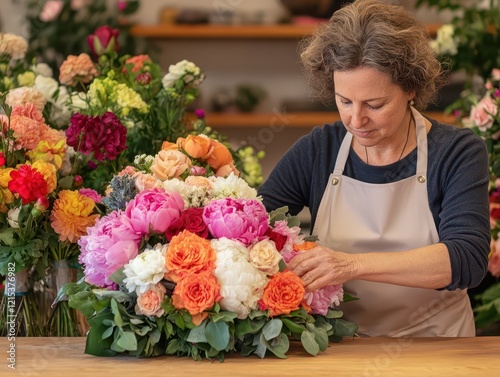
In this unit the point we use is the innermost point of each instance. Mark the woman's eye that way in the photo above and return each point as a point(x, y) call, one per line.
point(374, 107)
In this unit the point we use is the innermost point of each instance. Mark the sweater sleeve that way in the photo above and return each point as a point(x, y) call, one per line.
point(464, 225)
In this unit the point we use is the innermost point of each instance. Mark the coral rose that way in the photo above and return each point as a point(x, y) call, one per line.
point(149, 302)
point(196, 292)
point(220, 155)
point(170, 164)
point(283, 294)
point(77, 69)
point(189, 253)
point(196, 146)
point(137, 62)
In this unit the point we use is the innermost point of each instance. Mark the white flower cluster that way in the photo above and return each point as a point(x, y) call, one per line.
point(445, 42)
point(191, 73)
point(145, 270)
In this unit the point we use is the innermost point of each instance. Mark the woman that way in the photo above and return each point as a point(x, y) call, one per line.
point(399, 202)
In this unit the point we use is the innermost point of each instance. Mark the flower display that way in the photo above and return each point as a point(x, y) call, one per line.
point(188, 265)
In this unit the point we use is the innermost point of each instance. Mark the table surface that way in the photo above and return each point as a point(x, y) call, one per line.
point(406, 357)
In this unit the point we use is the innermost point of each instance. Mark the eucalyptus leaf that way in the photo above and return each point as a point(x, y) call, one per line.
point(217, 334)
point(119, 296)
point(116, 312)
point(309, 343)
point(197, 334)
point(127, 340)
point(292, 326)
point(272, 329)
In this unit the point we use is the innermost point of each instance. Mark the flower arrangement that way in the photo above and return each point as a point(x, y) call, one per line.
point(188, 262)
point(44, 208)
point(469, 41)
point(482, 115)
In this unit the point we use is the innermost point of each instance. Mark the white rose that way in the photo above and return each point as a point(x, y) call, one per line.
point(264, 257)
point(175, 72)
point(13, 217)
point(146, 269)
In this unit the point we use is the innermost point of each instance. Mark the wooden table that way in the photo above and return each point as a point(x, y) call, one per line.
point(479, 356)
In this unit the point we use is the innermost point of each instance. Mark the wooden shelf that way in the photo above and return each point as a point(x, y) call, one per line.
point(281, 31)
point(305, 119)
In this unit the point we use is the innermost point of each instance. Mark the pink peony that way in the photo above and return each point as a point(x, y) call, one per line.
point(324, 298)
point(103, 135)
point(154, 210)
point(244, 220)
point(482, 114)
point(108, 246)
point(292, 237)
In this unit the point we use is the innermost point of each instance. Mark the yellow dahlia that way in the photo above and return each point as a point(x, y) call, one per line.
point(49, 173)
point(51, 152)
point(72, 214)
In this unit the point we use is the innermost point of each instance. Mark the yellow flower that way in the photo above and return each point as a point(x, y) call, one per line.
point(71, 215)
point(127, 99)
point(49, 173)
point(26, 79)
point(49, 152)
point(6, 196)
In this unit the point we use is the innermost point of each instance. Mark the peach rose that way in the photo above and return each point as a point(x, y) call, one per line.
point(149, 302)
point(198, 181)
point(283, 294)
point(77, 69)
point(225, 170)
point(189, 253)
point(24, 96)
point(170, 164)
point(264, 257)
point(196, 292)
point(196, 146)
point(494, 263)
point(482, 114)
point(145, 181)
point(220, 155)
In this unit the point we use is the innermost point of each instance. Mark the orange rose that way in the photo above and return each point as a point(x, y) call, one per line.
point(189, 253)
point(196, 293)
point(308, 245)
point(220, 156)
point(168, 146)
point(138, 62)
point(283, 294)
point(196, 146)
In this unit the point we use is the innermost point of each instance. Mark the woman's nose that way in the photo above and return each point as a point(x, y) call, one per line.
point(357, 117)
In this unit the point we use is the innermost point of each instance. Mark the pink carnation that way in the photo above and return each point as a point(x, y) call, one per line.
point(109, 245)
point(154, 210)
point(25, 95)
point(324, 298)
point(28, 124)
point(482, 114)
point(92, 194)
point(243, 220)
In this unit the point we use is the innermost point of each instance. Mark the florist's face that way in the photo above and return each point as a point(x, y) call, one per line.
point(371, 106)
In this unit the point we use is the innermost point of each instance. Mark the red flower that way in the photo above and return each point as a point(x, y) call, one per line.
point(495, 213)
point(28, 183)
point(103, 41)
point(103, 135)
point(190, 219)
point(2, 159)
point(279, 239)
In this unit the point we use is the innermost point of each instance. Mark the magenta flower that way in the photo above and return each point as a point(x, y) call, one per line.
point(103, 41)
point(103, 135)
point(154, 210)
point(244, 220)
point(324, 298)
point(92, 194)
point(107, 247)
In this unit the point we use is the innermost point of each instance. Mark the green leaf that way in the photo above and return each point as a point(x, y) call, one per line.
point(95, 345)
point(342, 327)
point(84, 302)
point(106, 334)
point(172, 347)
point(223, 316)
point(348, 298)
point(321, 338)
point(272, 329)
point(119, 296)
point(117, 317)
point(261, 350)
point(118, 276)
point(217, 334)
point(278, 346)
point(334, 313)
point(127, 340)
point(248, 326)
point(197, 334)
point(282, 265)
point(309, 343)
point(292, 326)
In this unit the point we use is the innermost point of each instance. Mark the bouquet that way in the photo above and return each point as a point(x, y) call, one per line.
point(44, 208)
point(188, 262)
point(481, 114)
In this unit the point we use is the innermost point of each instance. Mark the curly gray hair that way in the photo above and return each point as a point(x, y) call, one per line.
point(370, 33)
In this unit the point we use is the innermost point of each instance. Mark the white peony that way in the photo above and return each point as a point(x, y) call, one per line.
point(183, 68)
point(233, 187)
point(47, 86)
point(242, 284)
point(146, 269)
point(43, 69)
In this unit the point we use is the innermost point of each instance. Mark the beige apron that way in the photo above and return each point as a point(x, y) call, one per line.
point(359, 217)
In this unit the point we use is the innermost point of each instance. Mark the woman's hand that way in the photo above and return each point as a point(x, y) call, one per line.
point(320, 267)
